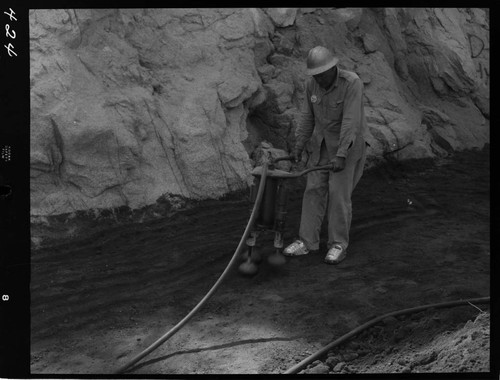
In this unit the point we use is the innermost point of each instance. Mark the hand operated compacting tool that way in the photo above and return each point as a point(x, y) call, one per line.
point(271, 213)
point(268, 213)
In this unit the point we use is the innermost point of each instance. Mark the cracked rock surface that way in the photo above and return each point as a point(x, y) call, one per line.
point(129, 105)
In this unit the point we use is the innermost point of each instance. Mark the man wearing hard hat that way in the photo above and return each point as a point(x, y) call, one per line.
point(333, 129)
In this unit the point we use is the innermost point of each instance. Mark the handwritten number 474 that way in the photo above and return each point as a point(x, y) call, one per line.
point(9, 33)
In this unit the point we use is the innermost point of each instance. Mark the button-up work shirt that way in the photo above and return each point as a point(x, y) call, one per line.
point(335, 115)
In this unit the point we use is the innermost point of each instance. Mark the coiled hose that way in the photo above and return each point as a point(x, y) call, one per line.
point(236, 255)
point(296, 368)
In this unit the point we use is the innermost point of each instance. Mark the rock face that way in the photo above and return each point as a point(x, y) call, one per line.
point(128, 105)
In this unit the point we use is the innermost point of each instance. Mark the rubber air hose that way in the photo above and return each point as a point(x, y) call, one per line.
point(224, 274)
point(296, 368)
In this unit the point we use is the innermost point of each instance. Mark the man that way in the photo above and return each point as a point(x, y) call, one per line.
point(333, 126)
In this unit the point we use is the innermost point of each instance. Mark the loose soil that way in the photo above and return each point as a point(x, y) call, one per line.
point(420, 234)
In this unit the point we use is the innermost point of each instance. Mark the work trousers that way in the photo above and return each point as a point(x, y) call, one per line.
point(329, 191)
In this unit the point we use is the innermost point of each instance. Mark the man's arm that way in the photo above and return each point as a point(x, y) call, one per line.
point(351, 120)
point(306, 123)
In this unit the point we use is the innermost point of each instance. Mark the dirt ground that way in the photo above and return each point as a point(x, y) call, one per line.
point(420, 234)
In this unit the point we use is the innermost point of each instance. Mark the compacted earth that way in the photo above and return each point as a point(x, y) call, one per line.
point(104, 288)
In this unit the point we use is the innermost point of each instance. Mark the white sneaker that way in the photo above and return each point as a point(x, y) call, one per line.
point(297, 248)
point(335, 254)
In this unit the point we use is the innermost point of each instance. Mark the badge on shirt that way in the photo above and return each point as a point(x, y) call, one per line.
point(313, 98)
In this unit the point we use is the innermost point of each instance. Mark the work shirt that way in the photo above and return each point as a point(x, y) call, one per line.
point(335, 115)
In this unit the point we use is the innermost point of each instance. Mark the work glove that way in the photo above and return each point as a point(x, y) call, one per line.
point(338, 164)
point(297, 154)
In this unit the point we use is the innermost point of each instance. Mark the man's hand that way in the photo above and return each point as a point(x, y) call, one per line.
point(338, 164)
point(297, 154)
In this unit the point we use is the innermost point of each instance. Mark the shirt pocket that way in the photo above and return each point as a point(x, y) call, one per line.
point(333, 110)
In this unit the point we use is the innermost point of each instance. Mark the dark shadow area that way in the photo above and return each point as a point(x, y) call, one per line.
point(420, 234)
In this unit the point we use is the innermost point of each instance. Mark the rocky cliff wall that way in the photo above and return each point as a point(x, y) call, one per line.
point(129, 105)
